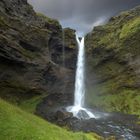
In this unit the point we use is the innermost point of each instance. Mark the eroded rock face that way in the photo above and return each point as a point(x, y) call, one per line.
point(29, 45)
point(113, 61)
point(63, 48)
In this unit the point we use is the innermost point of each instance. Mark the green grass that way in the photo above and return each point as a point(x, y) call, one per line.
point(47, 19)
point(16, 124)
point(130, 28)
point(125, 100)
point(30, 105)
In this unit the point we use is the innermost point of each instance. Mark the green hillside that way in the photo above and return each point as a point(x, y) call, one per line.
point(16, 124)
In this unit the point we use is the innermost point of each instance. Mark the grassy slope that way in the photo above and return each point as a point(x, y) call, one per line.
point(30, 104)
point(16, 124)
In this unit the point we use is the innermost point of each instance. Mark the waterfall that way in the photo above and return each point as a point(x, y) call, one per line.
point(63, 49)
point(80, 77)
point(78, 109)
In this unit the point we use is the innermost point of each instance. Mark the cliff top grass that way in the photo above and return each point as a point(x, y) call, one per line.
point(130, 28)
point(16, 124)
point(47, 19)
point(119, 28)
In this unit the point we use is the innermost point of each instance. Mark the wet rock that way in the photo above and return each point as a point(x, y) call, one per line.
point(57, 109)
point(82, 114)
point(50, 103)
point(121, 126)
point(62, 115)
point(64, 51)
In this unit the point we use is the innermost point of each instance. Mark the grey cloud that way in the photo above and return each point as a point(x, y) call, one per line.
point(82, 15)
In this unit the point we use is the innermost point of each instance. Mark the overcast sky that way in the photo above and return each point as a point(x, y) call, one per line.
point(82, 15)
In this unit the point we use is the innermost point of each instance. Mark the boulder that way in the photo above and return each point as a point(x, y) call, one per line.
point(63, 115)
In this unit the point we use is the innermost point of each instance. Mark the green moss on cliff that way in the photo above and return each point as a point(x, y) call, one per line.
point(3, 25)
point(126, 100)
point(31, 104)
point(130, 28)
point(69, 38)
point(47, 19)
point(113, 53)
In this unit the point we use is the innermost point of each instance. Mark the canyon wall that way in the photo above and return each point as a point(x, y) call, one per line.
point(113, 61)
point(37, 56)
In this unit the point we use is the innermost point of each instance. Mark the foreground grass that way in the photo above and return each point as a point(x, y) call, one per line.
point(30, 104)
point(16, 124)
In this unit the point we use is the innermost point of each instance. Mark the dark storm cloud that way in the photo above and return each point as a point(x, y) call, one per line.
point(82, 15)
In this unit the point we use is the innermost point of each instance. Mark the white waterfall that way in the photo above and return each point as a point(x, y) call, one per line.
point(80, 77)
point(78, 109)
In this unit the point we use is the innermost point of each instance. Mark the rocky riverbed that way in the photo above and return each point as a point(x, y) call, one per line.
point(118, 125)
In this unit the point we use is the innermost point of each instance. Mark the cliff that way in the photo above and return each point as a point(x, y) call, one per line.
point(37, 73)
point(113, 61)
point(35, 60)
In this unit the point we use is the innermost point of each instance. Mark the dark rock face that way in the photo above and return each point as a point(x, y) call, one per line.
point(63, 51)
point(61, 115)
point(17, 8)
point(113, 56)
point(31, 53)
point(55, 105)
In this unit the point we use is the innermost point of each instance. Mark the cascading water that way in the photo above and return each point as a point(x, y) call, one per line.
point(78, 109)
point(63, 49)
point(80, 79)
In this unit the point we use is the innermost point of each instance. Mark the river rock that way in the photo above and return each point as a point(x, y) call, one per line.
point(62, 115)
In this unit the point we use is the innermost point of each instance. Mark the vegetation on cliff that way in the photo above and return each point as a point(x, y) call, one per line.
point(113, 55)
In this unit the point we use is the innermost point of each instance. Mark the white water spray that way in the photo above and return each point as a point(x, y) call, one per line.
point(78, 109)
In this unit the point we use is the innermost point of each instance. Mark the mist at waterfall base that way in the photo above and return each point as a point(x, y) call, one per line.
point(78, 109)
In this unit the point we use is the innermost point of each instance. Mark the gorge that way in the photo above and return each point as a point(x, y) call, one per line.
point(55, 85)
